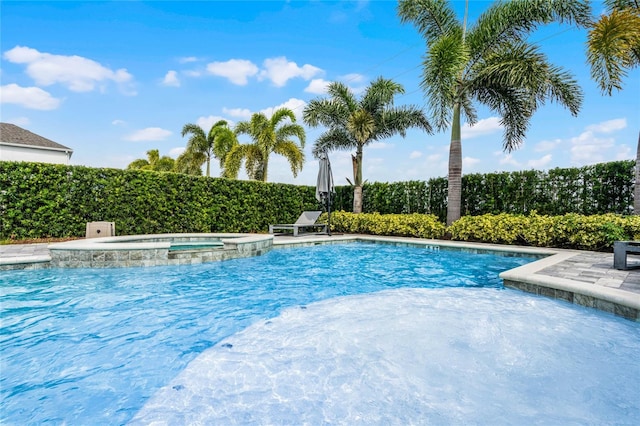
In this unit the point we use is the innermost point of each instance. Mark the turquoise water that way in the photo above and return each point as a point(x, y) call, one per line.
point(93, 346)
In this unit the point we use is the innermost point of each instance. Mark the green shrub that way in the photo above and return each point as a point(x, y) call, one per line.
point(40, 200)
point(502, 228)
point(575, 231)
point(405, 225)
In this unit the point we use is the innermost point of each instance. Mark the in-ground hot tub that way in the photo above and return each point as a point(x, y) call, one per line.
point(155, 250)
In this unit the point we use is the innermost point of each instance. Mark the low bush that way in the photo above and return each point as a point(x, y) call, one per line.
point(574, 231)
point(404, 225)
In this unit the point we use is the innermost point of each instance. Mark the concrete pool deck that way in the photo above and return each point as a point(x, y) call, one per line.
point(582, 277)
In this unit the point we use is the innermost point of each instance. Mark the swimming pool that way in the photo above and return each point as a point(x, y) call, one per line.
point(94, 346)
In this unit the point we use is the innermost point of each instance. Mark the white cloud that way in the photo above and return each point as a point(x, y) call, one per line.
point(317, 86)
point(242, 113)
point(539, 163)
point(28, 97)
point(118, 122)
point(588, 148)
point(279, 70)
point(192, 73)
point(353, 78)
point(469, 162)
point(236, 71)
point(187, 59)
point(295, 105)
point(591, 147)
point(75, 72)
point(508, 159)
point(608, 126)
point(19, 121)
point(148, 134)
point(547, 145)
point(624, 153)
point(171, 79)
point(433, 165)
point(415, 154)
point(483, 127)
point(176, 152)
point(207, 122)
point(380, 145)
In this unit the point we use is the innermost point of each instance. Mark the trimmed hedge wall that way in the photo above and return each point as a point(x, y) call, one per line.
point(596, 189)
point(40, 200)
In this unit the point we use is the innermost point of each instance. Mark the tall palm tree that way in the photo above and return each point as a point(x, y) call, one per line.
point(153, 162)
point(202, 147)
point(353, 123)
point(613, 48)
point(492, 63)
point(270, 136)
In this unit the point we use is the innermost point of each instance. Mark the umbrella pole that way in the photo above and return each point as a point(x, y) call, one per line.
point(329, 214)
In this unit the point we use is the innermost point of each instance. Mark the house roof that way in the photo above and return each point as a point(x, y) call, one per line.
point(11, 134)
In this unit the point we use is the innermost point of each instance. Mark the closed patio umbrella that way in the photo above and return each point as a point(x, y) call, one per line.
point(324, 186)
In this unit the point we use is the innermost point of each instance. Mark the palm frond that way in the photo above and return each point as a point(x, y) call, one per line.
point(380, 94)
point(233, 161)
point(512, 21)
point(288, 130)
point(281, 114)
point(432, 18)
point(362, 125)
point(342, 94)
point(524, 68)
point(334, 139)
point(441, 78)
point(325, 112)
point(613, 47)
point(398, 120)
point(254, 162)
point(292, 153)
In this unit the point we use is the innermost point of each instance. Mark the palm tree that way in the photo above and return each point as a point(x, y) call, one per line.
point(269, 135)
point(353, 123)
point(613, 48)
point(190, 163)
point(153, 162)
point(491, 63)
point(201, 147)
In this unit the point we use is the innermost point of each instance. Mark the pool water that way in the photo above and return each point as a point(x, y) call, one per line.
point(355, 333)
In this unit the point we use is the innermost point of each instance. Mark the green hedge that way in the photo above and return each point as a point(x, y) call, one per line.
point(404, 225)
point(596, 189)
point(40, 200)
point(575, 231)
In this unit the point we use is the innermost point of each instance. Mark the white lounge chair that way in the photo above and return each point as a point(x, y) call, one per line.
point(306, 220)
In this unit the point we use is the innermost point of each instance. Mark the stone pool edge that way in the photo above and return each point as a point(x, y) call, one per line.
point(154, 250)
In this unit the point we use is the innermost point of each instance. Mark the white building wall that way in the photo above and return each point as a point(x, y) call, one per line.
point(18, 153)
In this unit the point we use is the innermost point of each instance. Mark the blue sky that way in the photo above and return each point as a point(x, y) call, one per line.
point(112, 80)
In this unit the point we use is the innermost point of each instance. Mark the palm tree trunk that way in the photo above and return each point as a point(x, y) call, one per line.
point(208, 167)
point(265, 166)
point(357, 190)
point(636, 188)
point(454, 188)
